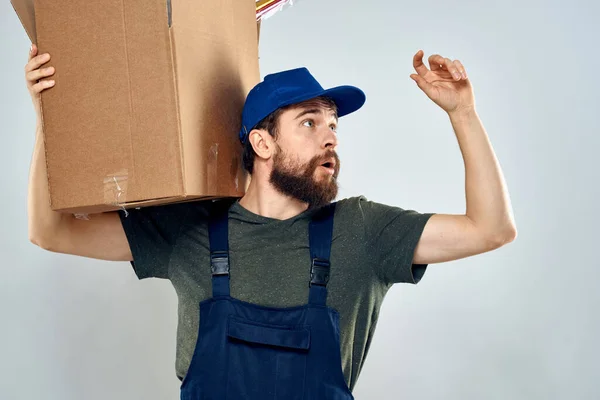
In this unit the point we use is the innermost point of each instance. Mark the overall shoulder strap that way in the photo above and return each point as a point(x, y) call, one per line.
point(320, 233)
point(218, 233)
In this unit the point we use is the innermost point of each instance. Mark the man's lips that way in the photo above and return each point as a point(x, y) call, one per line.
point(330, 166)
point(329, 170)
point(329, 163)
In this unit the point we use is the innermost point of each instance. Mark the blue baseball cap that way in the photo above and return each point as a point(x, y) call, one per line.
point(291, 87)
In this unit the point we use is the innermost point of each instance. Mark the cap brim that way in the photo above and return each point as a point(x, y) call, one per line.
point(347, 98)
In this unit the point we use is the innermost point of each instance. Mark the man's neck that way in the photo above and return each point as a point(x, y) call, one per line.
point(263, 199)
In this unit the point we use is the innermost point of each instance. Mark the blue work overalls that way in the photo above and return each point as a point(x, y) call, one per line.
point(246, 351)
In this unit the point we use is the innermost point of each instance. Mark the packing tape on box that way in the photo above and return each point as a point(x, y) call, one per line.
point(115, 189)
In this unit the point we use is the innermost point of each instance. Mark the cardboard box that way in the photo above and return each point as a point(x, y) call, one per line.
point(148, 98)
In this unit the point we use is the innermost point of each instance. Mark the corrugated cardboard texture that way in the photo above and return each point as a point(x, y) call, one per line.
point(143, 113)
point(226, 42)
point(112, 113)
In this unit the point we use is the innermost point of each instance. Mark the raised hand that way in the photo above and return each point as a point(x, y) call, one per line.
point(446, 83)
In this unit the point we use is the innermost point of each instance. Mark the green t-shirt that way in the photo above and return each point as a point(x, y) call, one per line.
point(372, 248)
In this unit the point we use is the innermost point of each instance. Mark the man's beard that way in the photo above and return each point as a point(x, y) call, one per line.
point(298, 181)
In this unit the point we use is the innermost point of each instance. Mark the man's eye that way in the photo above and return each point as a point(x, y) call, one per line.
point(333, 128)
point(308, 123)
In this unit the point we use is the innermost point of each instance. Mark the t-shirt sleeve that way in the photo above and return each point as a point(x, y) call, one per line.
point(392, 235)
point(152, 233)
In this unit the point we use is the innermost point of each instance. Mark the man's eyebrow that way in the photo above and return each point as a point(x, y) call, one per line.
point(308, 111)
point(313, 111)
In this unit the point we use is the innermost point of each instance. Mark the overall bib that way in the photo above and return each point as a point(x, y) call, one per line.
point(245, 351)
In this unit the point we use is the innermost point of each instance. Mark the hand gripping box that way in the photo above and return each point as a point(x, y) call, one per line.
point(148, 98)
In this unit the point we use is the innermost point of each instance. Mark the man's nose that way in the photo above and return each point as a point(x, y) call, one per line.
point(331, 140)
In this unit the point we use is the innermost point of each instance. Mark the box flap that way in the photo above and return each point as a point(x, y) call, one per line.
point(26, 13)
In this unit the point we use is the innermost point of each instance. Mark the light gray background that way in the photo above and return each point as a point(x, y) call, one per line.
point(518, 323)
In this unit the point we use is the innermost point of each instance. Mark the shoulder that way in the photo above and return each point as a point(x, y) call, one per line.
point(355, 207)
point(349, 204)
point(350, 213)
point(360, 211)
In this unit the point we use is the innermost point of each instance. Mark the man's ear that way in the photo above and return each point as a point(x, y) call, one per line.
point(262, 143)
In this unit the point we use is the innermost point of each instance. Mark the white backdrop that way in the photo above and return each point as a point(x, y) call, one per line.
point(518, 323)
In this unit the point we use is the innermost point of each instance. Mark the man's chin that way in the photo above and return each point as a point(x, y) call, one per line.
point(323, 174)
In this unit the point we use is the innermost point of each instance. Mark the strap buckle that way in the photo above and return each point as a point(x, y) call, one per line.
point(319, 272)
point(219, 263)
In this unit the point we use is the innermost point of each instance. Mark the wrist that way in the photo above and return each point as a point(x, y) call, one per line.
point(463, 113)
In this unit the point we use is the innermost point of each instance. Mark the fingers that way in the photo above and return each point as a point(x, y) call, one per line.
point(32, 51)
point(456, 68)
point(35, 79)
point(461, 69)
point(36, 62)
point(34, 74)
point(436, 62)
point(418, 63)
point(39, 87)
point(39, 73)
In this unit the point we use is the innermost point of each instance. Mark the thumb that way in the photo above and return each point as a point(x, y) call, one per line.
point(422, 83)
point(32, 51)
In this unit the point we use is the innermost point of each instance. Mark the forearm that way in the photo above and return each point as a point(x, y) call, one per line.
point(488, 201)
point(43, 223)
